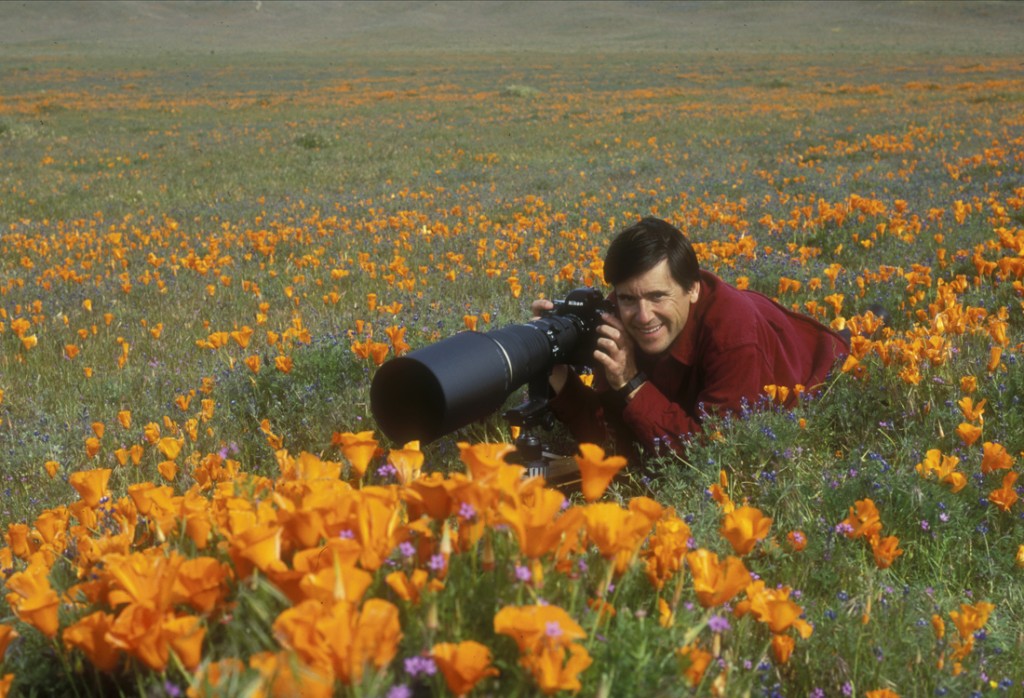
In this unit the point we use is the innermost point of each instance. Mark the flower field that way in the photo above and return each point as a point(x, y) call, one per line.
point(202, 266)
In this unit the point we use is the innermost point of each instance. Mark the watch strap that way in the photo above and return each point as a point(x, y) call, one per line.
point(635, 382)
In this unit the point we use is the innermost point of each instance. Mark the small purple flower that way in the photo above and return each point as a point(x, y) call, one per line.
point(417, 665)
point(925, 525)
point(523, 573)
point(718, 624)
point(466, 511)
point(552, 629)
point(346, 533)
point(399, 691)
point(436, 563)
point(407, 549)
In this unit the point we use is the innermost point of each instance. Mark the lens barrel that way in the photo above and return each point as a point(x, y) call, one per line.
point(442, 387)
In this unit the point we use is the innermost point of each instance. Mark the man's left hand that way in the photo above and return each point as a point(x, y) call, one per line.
point(615, 352)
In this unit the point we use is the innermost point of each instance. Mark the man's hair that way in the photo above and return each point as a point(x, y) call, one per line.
point(642, 246)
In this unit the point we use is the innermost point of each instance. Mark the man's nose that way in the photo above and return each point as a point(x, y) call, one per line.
point(643, 311)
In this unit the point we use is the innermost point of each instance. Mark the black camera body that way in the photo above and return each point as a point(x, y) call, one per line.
point(442, 387)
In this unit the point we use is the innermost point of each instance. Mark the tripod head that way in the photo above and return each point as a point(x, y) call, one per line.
point(530, 415)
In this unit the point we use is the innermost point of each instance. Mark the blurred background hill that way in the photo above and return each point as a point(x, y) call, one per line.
point(979, 27)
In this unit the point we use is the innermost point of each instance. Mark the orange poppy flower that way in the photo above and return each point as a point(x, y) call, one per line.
point(356, 639)
point(428, 495)
point(7, 633)
point(358, 449)
point(773, 607)
point(91, 485)
point(484, 460)
point(944, 468)
point(782, 648)
point(1006, 496)
point(201, 583)
point(89, 636)
point(407, 461)
point(885, 550)
point(252, 362)
point(463, 665)
point(995, 457)
point(378, 352)
point(336, 582)
point(797, 540)
point(666, 615)
point(536, 625)
point(972, 412)
point(535, 520)
point(557, 668)
point(744, 527)
point(616, 532)
point(596, 471)
point(33, 599)
point(863, 521)
point(137, 631)
point(663, 556)
point(92, 447)
point(968, 433)
point(695, 662)
point(281, 675)
point(970, 619)
point(184, 635)
point(994, 359)
point(168, 469)
point(882, 693)
point(260, 545)
point(716, 583)
point(408, 588)
point(719, 492)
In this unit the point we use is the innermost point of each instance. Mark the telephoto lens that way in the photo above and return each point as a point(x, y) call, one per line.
point(435, 390)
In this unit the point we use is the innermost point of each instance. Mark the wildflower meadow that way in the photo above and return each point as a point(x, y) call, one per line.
point(206, 256)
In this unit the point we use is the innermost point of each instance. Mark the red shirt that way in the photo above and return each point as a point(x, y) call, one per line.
point(734, 343)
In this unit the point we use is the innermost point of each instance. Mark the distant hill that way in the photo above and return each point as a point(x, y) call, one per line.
point(153, 26)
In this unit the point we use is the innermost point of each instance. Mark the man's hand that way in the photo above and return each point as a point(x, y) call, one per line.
point(615, 352)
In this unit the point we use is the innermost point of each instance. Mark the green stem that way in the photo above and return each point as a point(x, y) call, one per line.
point(65, 665)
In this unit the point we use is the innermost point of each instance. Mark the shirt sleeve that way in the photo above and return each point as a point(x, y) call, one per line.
point(655, 419)
point(581, 409)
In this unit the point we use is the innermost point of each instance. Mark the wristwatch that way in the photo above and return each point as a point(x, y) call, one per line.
point(639, 379)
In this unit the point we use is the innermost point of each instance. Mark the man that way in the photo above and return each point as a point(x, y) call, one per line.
point(683, 344)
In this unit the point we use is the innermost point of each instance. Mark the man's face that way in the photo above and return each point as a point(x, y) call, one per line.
point(654, 308)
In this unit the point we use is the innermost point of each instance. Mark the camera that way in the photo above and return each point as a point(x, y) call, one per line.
point(439, 388)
